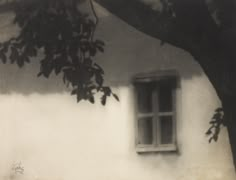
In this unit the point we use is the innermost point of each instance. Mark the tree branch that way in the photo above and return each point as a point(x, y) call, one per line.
point(191, 21)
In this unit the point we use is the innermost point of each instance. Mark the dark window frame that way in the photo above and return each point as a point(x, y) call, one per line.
point(169, 77)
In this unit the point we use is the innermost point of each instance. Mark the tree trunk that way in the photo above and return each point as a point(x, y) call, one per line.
point(229, 105)
point(218, 70)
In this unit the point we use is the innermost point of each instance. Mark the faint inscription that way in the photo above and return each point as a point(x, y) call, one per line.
point(17, 168)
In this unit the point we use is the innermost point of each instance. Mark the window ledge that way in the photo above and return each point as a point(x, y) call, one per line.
point(146, 149)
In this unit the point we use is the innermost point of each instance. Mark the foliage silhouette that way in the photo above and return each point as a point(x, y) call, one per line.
point(64, 37)
point(216, 122)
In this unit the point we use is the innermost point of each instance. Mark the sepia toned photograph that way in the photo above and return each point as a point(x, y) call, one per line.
point(117, 89)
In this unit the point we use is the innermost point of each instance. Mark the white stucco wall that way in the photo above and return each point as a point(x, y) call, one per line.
point(55, 138)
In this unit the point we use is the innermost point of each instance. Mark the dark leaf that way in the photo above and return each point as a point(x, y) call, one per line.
point(88, 62)
point(74, 92)
point(210, 139)
point(213, 122)
point(116, 97)
point(99, 79)
point(215, 137)
point(103, 100)
point(64, 78)
point(32, 52)
point(101, 49)
point(92, 51)
point(57, 68)
point(217, 116)
point(99, 42)
point(3, 57)
point(79, 97)
point(5, 48)
point(99, 68)
point(39, 74)
point(91, 99)
point(46, 69)
point(107, 91)
point(26, 59)
point(14, 55)
point(20, 62)
point(209, 132)
point(219, 110)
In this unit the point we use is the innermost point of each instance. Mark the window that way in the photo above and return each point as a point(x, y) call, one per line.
point(156, 113)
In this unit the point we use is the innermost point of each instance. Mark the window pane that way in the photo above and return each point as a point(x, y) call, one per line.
point(165, 96)
point(145, 131)
point(144, 91)
point(166, 126)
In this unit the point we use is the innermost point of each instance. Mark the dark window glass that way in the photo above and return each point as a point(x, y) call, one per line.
point(165, 97)
point(166, 126)
point(144, 91)
point(145, 131)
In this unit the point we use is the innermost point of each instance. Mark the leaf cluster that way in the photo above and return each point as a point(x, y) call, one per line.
point(216, 122)
point(61, 37)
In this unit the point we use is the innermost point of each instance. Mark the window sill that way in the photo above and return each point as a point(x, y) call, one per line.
point(147, 149)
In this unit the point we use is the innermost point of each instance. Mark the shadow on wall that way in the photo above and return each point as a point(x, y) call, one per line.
point(127, 53)
point(25, 81)
point(131, 52)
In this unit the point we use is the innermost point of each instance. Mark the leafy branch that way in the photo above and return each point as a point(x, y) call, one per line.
point(63, 35)
point(216, 122)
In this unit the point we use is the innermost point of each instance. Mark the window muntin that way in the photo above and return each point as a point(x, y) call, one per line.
point(145, 130)
point(156, 114)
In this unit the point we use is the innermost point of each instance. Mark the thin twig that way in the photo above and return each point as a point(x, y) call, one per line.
point(96, 18)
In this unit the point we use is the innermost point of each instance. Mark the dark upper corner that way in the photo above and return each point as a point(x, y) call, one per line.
point(7, 5)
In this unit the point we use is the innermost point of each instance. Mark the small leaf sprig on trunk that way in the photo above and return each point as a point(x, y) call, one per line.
point(216, 122)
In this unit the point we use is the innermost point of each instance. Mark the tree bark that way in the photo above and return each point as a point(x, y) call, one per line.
point(220, 76)
point(229, 105)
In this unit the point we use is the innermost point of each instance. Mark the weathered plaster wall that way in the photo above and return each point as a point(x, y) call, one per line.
point(55, 138)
